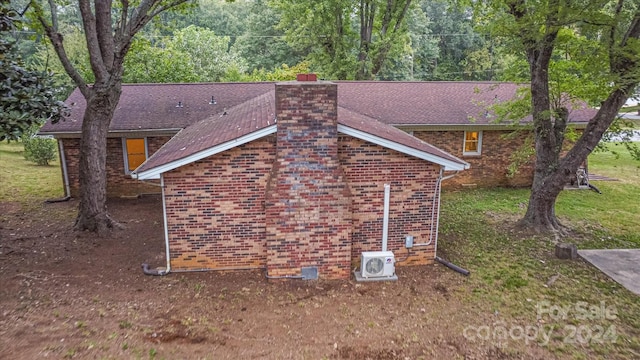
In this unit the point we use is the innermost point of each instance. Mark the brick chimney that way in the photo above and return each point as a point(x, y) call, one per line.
point(308, 205)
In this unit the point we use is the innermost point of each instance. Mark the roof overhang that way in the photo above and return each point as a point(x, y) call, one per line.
point(449, 165)
point(469, 126)
point(154, 173)
point(115, 133)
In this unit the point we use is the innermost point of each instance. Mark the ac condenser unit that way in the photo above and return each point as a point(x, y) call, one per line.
point(378, 264)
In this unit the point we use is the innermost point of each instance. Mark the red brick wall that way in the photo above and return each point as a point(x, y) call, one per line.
point(308, 204)
point(215, 209)
point(303, 197)
point(411, 204)
point(490, 167)
point(217, 218)
point(118, 182)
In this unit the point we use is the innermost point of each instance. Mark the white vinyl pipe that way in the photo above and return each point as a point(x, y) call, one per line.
point(166, 226)
point(385, 217)
point(435, 210)
point(65, 173)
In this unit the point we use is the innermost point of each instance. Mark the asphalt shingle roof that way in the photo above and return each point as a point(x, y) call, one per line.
point(153, 106)
point(259, 113)
point(255, 114)
point(244, 108)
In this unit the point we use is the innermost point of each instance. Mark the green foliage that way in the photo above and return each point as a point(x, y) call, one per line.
point(38, 149)
point(336, 38)
point(28, 97)
point(76, 48)
point(146, 63)
point(263, 45)
point(282, 73)
point(208, 54)
point(464, 53)
point(521, 156)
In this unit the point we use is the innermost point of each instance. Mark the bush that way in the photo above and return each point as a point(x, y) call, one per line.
point(39, 150)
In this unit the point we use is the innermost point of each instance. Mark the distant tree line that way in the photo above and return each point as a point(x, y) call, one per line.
point(218, 40)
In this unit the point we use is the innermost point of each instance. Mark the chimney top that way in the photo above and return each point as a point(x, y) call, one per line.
point(307, 77)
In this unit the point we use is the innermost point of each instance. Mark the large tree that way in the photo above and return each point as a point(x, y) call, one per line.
point(612, 28)
point(109, 30)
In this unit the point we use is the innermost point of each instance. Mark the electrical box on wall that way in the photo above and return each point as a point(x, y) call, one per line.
point(408, 241)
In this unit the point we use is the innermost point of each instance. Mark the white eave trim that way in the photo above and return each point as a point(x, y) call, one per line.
point(449, 165)
point(154, 173)
point(114, 133)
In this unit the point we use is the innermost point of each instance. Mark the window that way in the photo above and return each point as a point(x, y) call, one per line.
point(472, 143)
point(135, 153)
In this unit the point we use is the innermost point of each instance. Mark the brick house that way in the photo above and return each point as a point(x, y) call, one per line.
point(449, 115)
point(293, 175)
point(289, 179)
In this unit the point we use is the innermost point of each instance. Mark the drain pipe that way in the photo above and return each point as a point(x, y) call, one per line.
point(385, 217)
point(166, 227)
point(433, 235)
point(145, 267)
point(452, 266)
point(65, 173)
point(153, 272)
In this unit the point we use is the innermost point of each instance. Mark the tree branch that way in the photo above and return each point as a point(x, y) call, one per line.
point(51, 31)
point(104, 32)
point(141, 15)
point(95, 54)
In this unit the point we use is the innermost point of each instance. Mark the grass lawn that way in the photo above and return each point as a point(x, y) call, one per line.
point(515, 275)
point(23, 181)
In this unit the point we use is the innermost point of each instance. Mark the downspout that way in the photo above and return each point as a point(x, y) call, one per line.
point(145, 267)
point(385, 217)
point(433, 235)
point(166, 227)
point(65, 174)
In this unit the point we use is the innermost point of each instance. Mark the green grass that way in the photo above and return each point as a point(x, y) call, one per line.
point(23, 181)
point(510, 270)
point(627, 109)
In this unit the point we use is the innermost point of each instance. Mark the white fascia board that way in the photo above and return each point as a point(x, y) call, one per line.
point(448, 164)
point(154, 173)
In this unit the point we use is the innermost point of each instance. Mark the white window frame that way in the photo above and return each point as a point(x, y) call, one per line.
point(125, 152)
point(464, 144)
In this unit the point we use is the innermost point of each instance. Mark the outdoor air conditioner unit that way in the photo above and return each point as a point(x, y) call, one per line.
point(378, 264)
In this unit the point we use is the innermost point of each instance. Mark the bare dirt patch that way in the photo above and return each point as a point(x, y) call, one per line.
point(69, 294)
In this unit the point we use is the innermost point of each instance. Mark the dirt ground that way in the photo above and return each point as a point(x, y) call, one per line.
point(66, 294)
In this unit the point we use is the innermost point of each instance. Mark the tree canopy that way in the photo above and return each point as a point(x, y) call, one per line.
point(575, 50)
point(28, 96)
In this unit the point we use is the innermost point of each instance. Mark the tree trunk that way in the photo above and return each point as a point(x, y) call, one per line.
point(551, 174)
point(541, 215)
point(93, 215)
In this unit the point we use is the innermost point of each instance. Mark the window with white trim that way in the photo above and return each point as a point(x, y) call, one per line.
point(135, 153)
point(472, 143)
